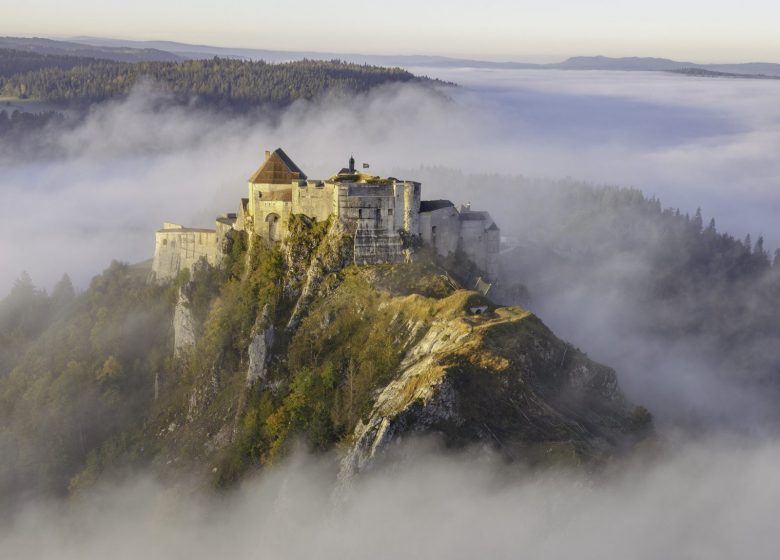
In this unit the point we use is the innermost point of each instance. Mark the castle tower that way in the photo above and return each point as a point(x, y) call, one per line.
point(270, 195)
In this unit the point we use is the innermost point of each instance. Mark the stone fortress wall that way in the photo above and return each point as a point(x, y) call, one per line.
point(383, 212)
point(177, 247)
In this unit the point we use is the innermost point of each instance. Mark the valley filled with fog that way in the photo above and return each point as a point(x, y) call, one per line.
point(517, 143)
point(693, 142)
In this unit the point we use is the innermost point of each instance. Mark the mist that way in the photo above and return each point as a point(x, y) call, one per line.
point(131, 165)
point(714, 499)
point(712, 490)
point(695, 142)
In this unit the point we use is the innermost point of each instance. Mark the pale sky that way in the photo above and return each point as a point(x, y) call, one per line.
point(525, 30)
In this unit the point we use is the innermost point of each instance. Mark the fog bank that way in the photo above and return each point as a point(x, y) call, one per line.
point(129, 166)
point(713, 499)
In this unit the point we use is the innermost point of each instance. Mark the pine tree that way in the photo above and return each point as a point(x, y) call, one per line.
point(759, 249)
point(698, 221)
point(23, 287)
point(63, 291)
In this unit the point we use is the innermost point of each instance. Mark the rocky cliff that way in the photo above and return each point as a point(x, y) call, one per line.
point(499, 378)
point(447, 361)
point(361, 357)
point(286, 344)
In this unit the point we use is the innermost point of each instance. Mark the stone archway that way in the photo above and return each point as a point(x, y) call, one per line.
point(272, 220)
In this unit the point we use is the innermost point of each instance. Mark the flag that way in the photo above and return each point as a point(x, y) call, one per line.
point(365, 166)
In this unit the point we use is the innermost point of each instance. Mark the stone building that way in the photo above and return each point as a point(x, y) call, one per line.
point(178, 247)
point(383, 211)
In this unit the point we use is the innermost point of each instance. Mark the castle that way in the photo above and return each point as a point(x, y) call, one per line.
point(385, 214)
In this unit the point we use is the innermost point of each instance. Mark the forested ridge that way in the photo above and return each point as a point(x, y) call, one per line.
point(231, 83)
point(19, 62)
point(668, 278)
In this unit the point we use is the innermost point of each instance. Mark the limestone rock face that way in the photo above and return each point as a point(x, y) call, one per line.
point(184, 329)
point(260, 347)
point(503, 380)
point(333, 255)
point(183, 323)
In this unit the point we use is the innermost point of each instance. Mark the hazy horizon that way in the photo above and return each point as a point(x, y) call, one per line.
point(530, 57)
point(529, 31)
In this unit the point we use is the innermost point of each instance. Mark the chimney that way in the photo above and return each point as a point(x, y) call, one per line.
point(267, 154)
point(351, 164)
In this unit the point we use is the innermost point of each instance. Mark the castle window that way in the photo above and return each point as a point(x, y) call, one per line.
point(165, 241)
point(360, 213)
point(389, 211)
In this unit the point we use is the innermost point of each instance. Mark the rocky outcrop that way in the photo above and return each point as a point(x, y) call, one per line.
point(260, 347)
point(333, 254)
point(361, 357)
point(183, 323)
point(184, 328)
point(502, 379)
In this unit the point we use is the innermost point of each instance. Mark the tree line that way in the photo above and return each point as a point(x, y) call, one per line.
point(14, 62)
point(677, 276)
point(221, 82)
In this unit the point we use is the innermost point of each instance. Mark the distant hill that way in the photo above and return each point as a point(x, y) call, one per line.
point(626, 63)
point(42, 46)
point(407, 61)
point(702, 73)
point(664, 64)
point(18, 62)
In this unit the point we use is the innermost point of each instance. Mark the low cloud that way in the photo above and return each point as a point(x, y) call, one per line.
point(694, 142)
point(132, 164)
point(713, 499)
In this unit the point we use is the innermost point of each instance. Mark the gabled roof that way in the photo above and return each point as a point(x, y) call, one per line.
point(278, 169)
point(493, 227)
